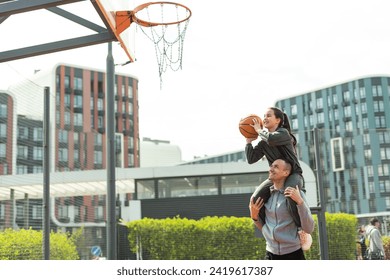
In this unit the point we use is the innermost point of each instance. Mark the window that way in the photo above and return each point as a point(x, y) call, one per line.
point(97, 157)
point(320, 117)
point(37, 169)
point(346, 96)
point(2, 211)
point(78, 101)
point(363, 106)
point(130, 158)
point(319, 103)
point(383, 169)
point(37, 153)
point(378, 106)
point(3, 150)
point(380, 121)
point(67, 81)
point(336, 114)
point(63, 211)
point(362, 92)
point(241, 183)
point(366, 139)
point(100, 122)
point(131, 142)
point(37, 212)
point(385, 153)
point(145, 189)
point(3, 110)
point(337, 150)
point(347, 111)
point(377, 90)
point(78, 83)
point(294, 123)
point(63, 154)
point(78, 119)
point(367, 155)
point(67, 117)
point(21, 169)
point(98, 139)
point(76, 137)
point(3, 130)
point(130, 108)
point(22, 132)
point(365, 123)
point(38, 133)
point(76, 155)
point(22, 152)
point(99, 212)
point(387, 202)
point(334, 98)
point(348, 126)
point(67, 100)
point(130, 91)
point(384, 186)
point(384, 137)
point(100, 104)
point(63, 136)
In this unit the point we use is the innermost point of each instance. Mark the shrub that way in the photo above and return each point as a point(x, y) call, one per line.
point(27, 245)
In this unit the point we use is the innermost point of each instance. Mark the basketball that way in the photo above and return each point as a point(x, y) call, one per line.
point(246, 128)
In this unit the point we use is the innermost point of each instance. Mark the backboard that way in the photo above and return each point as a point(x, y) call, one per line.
point(107, 10)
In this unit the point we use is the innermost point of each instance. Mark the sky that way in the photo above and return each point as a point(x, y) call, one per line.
point(240, 57)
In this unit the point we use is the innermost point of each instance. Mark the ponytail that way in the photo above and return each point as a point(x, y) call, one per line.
point(284, 122)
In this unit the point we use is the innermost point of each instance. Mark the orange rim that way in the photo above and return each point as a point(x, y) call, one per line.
point(145, 23)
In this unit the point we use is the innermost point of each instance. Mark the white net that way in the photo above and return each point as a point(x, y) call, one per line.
point(167, 27)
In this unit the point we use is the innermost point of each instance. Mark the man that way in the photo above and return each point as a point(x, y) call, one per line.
point(376, 250)
point(279, 229)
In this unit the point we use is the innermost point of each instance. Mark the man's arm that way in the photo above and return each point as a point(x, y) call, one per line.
point(254, 209)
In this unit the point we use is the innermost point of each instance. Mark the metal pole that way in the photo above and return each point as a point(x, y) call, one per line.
point(323, 236)
point(46, 176)
point(110, 159)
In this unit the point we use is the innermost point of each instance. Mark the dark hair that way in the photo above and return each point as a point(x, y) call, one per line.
point(285, 123)
point(289, 164)
point(373, 221)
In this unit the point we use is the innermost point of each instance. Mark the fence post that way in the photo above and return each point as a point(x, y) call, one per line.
point(323, 236)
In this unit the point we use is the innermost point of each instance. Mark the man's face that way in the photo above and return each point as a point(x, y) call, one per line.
point(277, 170)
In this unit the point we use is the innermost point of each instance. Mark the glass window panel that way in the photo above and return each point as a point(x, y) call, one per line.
point(242, 183)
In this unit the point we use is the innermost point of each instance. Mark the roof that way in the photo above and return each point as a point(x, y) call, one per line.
point(94, 182)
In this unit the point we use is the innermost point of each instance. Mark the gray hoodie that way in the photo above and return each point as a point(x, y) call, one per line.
point(280, 231)
point(375, 240)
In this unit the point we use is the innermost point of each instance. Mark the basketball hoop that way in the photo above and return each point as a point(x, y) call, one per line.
point(165, 24)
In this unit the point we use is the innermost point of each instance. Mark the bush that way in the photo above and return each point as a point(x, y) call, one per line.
point(27, 245)
point(184, 239)
point(229, 238)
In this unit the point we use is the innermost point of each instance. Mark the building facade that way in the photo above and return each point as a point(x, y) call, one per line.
point(77, 118)
point(353, 124)
point(77, 113)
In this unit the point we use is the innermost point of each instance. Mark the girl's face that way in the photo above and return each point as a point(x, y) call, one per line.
point(270, 121)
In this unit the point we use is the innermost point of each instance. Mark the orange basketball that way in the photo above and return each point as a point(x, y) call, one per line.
point(246, 127)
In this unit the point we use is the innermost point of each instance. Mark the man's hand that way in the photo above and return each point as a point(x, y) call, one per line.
point(254, 208)
point(294, 194)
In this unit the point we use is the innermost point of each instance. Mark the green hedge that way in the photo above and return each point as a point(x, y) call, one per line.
point(27, 245)
point(229, 238)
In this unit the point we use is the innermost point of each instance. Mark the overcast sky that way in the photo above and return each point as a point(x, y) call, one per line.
point(240, 57)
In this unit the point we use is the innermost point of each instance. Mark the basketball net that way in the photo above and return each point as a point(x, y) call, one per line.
point(165, 24)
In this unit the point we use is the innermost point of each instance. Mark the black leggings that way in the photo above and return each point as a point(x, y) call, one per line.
point(297, 255)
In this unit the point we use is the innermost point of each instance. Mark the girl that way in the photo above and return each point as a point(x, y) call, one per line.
point(276, 143)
